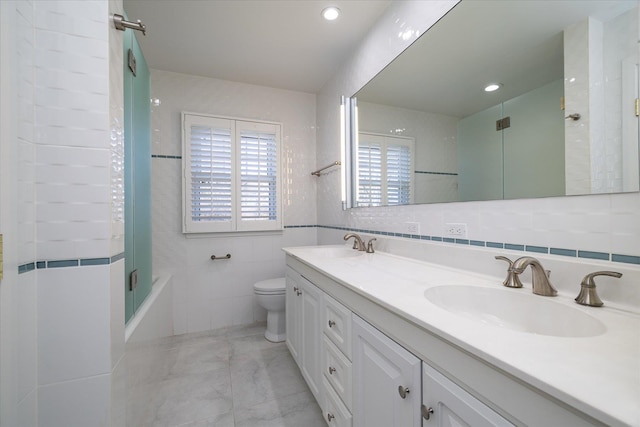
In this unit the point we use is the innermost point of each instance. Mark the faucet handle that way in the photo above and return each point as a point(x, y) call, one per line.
point(588, 294)
point(355, 245)
point(512, 280)
point(370, 245)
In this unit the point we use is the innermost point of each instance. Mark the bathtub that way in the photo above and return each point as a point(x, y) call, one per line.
point(154, 318)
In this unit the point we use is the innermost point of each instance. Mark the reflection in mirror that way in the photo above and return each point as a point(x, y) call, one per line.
point(562, 121)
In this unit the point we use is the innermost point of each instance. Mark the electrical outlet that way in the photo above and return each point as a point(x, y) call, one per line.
point(412, 227)
point(455, 229)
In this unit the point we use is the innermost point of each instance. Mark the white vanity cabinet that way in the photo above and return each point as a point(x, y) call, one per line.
point(445, 404)
point(303, 316)
point(293, 313)
point(386, 378)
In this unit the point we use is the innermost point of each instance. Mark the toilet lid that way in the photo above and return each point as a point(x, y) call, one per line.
point(271, 286)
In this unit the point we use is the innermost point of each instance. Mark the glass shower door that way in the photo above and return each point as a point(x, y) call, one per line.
point(137, 176)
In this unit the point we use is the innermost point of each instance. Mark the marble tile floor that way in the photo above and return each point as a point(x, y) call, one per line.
point(231, 377)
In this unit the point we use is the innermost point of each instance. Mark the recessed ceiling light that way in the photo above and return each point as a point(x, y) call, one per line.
point(492, 87)
point(330, 13)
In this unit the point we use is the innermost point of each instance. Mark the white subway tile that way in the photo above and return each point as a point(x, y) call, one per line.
point(73, 323)
point(79, 403)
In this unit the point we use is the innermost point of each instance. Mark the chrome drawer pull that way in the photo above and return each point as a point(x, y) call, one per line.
point(330, 416)
point(426, 412)
point(331, 370)
point(331, 323)
point(403, 391)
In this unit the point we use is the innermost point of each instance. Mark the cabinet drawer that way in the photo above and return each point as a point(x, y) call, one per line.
point(337, 369)
point(337, 324)
point(334, 411)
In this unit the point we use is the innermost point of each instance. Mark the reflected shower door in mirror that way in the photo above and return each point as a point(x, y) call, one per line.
point(563, 120)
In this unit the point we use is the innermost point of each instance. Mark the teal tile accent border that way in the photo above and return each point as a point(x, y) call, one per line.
point(26, 267)
point(62, 263)
point(514, 247)
point(538, 249)
point(162, 156)
point(628, 259)
point(95, 261)
point(563, 252)
point(117, 257)
point(593, 255)
point(436, 173)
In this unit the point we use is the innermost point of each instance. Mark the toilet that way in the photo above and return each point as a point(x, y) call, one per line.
point(271, 296)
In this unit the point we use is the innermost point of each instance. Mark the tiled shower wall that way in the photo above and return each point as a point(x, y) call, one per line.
point(66, 326)
point(606, 224)
point(212, 294)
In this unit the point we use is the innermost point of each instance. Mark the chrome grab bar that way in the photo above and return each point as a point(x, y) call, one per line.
point(336, 163)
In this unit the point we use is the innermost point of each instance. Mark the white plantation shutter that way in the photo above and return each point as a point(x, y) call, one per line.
point(369, 173)
point(385, 170)
point(230, 175)
point(259, 184)
point(399, 174)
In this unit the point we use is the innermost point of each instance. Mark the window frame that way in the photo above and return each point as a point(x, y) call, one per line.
point(384, 142)
point(236, 126)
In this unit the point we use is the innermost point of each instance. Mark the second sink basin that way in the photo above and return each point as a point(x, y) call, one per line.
point(511, 309)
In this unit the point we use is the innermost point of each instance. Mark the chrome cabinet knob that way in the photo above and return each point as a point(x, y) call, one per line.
point(426, 412)
point(295, 289)
point(331, 370)
point(403, 391)
point(331, 323)
point(330, 416)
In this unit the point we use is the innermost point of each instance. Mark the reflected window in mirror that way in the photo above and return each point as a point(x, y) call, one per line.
point(385, 166)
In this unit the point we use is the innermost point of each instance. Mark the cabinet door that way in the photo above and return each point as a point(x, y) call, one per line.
point(293, 314)
point(451, 406)
point(310, 335)
point(386, 380)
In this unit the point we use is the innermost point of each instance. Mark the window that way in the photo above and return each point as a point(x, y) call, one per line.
point(231, 179)
point(385, 170)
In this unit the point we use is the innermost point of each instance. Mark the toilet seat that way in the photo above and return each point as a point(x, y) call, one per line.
point(271, 286)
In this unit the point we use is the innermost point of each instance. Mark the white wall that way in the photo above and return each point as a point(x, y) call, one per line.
point(64, 314)
point(606, 224)
point(213, 294)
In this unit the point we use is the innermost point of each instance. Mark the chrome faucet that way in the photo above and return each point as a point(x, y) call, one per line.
point(539, 277)
point(358, 243)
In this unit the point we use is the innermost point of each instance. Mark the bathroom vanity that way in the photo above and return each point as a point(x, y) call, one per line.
point(384, 340)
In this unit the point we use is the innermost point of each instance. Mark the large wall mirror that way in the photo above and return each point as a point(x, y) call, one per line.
point(562, 118)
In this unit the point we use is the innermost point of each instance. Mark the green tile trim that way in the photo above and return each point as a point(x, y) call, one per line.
point(593, 255)
point(627, 259)
point(563, 252)
point(537, 249)
point(62, 263)
point(514, 247)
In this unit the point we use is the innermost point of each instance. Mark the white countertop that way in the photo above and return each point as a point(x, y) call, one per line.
point(598, 375)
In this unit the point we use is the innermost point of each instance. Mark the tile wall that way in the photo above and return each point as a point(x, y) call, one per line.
point(606, 225)
point(213, 294)
point(68, 323)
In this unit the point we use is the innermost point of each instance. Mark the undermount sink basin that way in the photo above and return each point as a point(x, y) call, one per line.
point(336, 252)
point(514, 310)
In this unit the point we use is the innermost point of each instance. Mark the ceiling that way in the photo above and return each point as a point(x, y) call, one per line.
point(274, 43)
point(516, 43)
